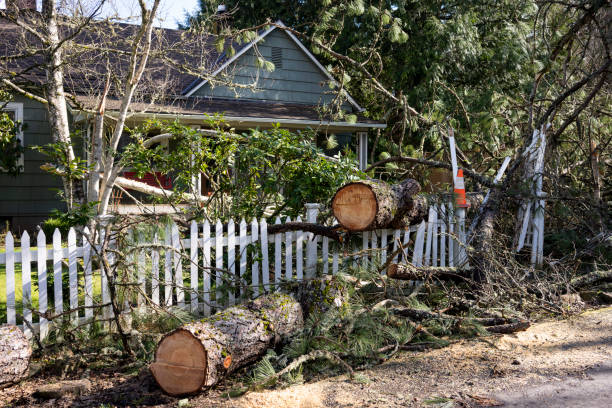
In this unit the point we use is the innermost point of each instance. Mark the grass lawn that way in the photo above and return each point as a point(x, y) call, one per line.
point(34, 278)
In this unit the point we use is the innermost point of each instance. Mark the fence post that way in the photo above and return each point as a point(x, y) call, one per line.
point(312, 210)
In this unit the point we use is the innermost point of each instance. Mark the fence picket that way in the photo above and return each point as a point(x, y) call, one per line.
point(243, 256)
point(57, 272)
point(41, 264)
point(231, 262)
point(10, 279)
point(434, 238)
point(325, 255)
point(206, 264)
point(288, 253)
point(168, 254)
point(374, 246)
point(178, 266)
point(265, 265)
point(426, 260)
point(277, 256)
point(193, 267)
point(255, 265)
point(155, 270)
point(419, 241)
point(442, 234)
point(396, 241)
point(383, 245)
point(140, 271)
point(335, 260)
point(218, 261)
point(72, 275)
point(26, 282)
point(451, 238)
point(88, 281)
point(299, 254)
point(365, 241)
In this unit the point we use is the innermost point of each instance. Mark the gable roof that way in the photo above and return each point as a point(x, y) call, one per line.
point(194, 87)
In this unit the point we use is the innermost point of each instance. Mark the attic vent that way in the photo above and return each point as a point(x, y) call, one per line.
point(277, 57)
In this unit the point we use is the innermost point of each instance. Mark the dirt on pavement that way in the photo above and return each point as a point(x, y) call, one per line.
point(562, 363)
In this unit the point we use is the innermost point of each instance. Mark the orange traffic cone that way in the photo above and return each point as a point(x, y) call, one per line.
point(460, 199)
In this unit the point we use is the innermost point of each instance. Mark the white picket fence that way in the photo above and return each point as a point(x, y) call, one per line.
point(190, 267)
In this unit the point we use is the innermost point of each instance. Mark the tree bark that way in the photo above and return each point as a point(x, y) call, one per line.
point(202, 353)
point(411, 272)
point(15, 352)
point(371, 204)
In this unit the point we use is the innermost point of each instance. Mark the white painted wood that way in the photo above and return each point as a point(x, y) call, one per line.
point(374, 246)
point(193, 268)
point(453, 152)
point(443, 220)
point(87, 275)
point(461, 255)
point(155, 284)
point(312, 241)
point(299, 252)
point(41, 264)
point(383, 245)
point(243, 257)
point(277, 256)
point(169, 254)
point(451, 235)
point(218, 261)
point(335, 260)
point(206, 265)
point(365, 246)
point(406, 241)
point(426, 260)
point(288, 253)
point(524, 226)
point(72, 276)
point(10, 278)
point(255, 262)
point(57, 272)
point(231, 262)
point(419, 242)
point(178, 267)
point(265, 264)
point(434, 238)
point(26, 282)
point(325, 255)
point(396, 241)
point(141, 271)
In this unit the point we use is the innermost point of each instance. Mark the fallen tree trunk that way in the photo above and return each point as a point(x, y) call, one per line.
point(411, 272)
point(371, 204)
point(201, 353)
point(317, 229)
point(15, 352)
point(591, 278)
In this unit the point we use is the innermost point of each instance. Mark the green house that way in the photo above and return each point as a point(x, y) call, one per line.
point(294, 94)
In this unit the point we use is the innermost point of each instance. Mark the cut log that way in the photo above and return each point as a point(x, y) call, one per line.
point(15, 352)
point(371, 204)
point(201, 353)
point(411, 272)
point(420, 314)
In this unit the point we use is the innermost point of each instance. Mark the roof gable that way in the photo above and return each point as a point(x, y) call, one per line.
point(301, 78)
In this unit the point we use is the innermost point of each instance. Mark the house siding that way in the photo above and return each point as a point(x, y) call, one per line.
point(298, 81)
point(29, 197)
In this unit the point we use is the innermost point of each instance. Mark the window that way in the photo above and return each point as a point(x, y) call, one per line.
point(15, 112)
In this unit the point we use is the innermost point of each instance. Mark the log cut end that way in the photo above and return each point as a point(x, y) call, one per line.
point(180, 365)
point(355, 206)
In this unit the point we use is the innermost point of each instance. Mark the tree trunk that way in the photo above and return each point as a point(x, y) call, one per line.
point(203, 352)
point(15, 352)
point(371, 204)
point(411, 272)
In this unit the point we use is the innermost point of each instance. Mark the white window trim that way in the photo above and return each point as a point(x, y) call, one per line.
point(17, 108)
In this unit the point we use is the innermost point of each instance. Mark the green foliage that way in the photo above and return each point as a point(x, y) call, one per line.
point(79, 215)
point(248, 172)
